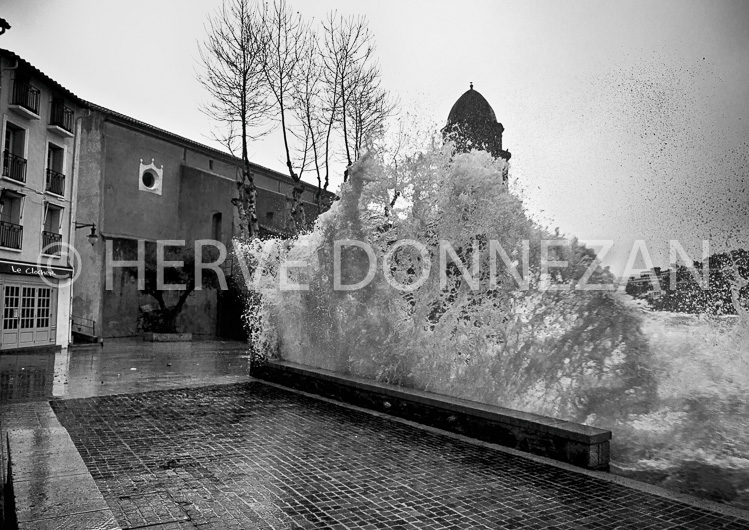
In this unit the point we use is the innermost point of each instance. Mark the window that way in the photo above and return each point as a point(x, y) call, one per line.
point(52, 223)
point(14, 163)
point(216, 226)
point(52, 218)
point(10, 207)
point(210, 165)
point(61, 116)
point(55, 157)
point(150, 177)
point(25, 95)
point(10, 306)
point(55, 182)
point(11, 212)
point(28, 307)
point(44, 296)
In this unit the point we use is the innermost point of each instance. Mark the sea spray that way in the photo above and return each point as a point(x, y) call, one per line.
point(566, 353)
point(584, 355)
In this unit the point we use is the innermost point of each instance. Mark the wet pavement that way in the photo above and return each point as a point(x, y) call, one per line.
point(188, 440)
point(120, 367)
point(28, 380)
point(254, 456)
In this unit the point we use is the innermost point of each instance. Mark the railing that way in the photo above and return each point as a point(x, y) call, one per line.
point(62, 116)
point(14, 166)
point(51, 243)
point(55, 182)
point(11, 235)
point(84, 326)
point(26, 96)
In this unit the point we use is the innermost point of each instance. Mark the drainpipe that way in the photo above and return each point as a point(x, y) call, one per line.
point(5, 70)
point(1, 93)
point(73, 210)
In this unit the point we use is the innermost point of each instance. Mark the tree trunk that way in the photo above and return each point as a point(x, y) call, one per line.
point(170, 319)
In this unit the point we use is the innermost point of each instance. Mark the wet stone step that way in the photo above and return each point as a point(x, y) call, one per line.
point(51, 486)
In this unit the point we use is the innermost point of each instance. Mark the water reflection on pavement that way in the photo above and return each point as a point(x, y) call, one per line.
point(120, 367)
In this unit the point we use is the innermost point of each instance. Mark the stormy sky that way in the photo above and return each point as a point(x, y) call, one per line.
point(626, 120)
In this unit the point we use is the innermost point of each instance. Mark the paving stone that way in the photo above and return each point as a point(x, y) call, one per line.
point(98, 520)
point(147, 509)
point(254, 456)
point(27, 442)
point(42, 466)
point(55, 497)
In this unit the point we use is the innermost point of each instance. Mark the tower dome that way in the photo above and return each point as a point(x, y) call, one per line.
point(471, 107)
point(472, 124)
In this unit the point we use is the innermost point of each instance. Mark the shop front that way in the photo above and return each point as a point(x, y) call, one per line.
point(30, 303)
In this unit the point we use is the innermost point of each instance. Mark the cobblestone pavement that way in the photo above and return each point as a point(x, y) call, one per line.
point(251, 455)
point(119, 366)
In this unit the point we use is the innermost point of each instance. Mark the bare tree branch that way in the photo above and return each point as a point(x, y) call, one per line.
point(368, 108)
point(286, 36)
point(231, 58)
point(265, 64)
point(353, 81)
point(308, 108)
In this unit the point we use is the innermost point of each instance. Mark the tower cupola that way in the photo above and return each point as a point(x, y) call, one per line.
point(472, 124)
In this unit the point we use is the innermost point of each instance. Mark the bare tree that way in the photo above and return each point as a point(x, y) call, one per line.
point(286, 37)
point(264, 64)
point(309, 109)
point(368, 108)
point(232, 72)
point(351, 78)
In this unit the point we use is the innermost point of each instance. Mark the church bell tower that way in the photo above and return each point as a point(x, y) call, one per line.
point(472, 124)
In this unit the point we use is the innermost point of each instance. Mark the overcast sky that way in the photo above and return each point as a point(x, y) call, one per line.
point(626, 120)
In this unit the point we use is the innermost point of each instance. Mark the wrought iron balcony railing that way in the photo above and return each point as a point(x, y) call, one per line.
point(26, 96)
point(14, 166)
point(62, 116)
point(11, 235)
point(55, 182)
point(51, 243)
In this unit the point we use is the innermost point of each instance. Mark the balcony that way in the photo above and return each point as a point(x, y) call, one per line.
point(11, 235)
point(51, 243)
point(14, 167)
point(61, 120)
point(55, 182)
point(25, 100)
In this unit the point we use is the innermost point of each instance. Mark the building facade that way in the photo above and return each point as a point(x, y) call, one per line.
point(138, 182)
point(37, 204)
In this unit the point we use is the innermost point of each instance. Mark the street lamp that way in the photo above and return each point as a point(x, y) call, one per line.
point(92, 236)
point(4, 25)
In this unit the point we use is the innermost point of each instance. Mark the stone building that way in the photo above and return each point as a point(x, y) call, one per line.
point(40, 119)
point(139, 182)
point(69, 164)
point(472, 124)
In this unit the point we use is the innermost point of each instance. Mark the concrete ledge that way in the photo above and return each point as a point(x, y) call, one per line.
point(47, 348)
point(167, 337)
point(573, 443)
point(50, 485)
point(86, 346)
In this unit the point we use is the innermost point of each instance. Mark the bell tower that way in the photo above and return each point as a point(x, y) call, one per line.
point(472, 124)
